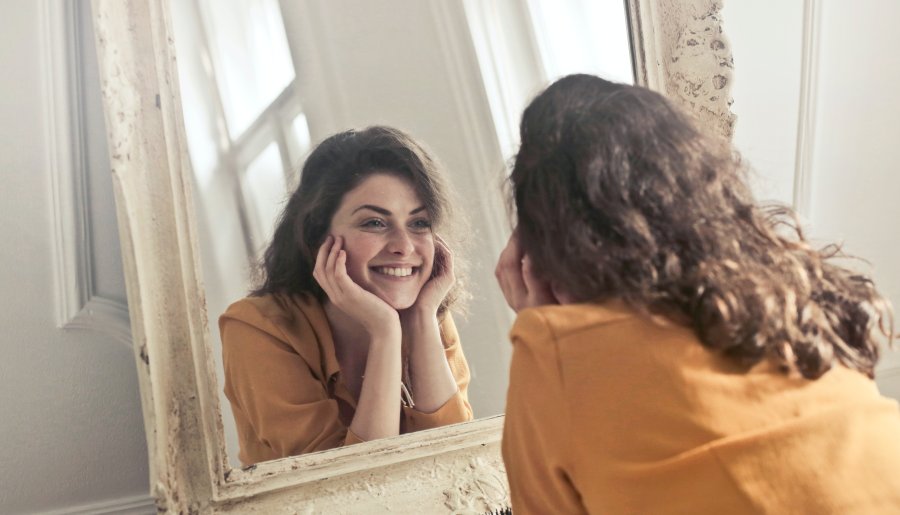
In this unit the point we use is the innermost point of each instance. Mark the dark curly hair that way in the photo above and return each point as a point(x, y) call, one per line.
point(336, 166)
point(619, 195)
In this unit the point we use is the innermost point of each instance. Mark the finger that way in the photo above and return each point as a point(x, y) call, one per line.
point(328, 270)
point(335, 266)
point(509, 257)
point(332, 256)
point(342, 279)
point(539, 291)
point(506, 267)
point(443, 259)
point(504, 288)
point(513, 285)
point(321, 258)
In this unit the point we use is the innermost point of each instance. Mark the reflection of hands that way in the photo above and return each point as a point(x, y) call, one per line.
point(375, 315)
point(521, 287)
point(442, 279)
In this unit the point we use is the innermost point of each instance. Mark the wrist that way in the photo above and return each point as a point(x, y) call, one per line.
point(385, 328)
point(417, 315)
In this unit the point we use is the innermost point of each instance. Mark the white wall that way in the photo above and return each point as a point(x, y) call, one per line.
point(855, 113)
point(72, 431)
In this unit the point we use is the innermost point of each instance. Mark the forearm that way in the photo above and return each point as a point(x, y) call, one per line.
point(378, 409)
point(432, 380)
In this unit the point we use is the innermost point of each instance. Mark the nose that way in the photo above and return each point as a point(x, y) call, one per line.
point(399, 243)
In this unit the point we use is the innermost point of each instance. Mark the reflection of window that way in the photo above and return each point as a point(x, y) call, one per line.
point(250, 57)
point(583, 36)
point(263, 186)
point(244, 120)
point(523, 45)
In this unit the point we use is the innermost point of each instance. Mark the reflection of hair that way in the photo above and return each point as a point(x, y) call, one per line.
point(619, 195)
point(336, 166)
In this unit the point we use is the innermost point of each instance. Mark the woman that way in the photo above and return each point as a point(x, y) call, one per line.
point(351, 318)
point(676, 350)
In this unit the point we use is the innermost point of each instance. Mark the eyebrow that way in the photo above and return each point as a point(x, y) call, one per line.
point(383, 211)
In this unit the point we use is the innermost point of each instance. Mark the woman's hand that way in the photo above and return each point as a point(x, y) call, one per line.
point(374, 314)
point(442, 279)
point(520, 285)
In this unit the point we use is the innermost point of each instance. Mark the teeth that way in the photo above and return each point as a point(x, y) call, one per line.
point(396, 272)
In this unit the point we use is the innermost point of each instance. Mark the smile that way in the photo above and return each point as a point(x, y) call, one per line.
point(394, 271)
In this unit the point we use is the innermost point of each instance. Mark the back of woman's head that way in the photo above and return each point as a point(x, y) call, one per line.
point(336, 166)
point(619, 195)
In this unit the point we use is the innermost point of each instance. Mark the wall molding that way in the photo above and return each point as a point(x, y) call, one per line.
point(138, 504)
point(806, 116)
point(77, 305)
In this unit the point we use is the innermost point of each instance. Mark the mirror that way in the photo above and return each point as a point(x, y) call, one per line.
point(262, 82)
point(677, 48)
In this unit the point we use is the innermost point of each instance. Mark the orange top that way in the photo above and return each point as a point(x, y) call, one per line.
point(609, 412)
point(284, 382)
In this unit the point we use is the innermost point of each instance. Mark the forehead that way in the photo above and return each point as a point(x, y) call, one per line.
point(384, 190)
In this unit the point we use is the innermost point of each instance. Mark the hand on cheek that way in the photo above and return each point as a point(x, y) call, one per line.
point(520, 284)
point(441, 281)
point(331, 273)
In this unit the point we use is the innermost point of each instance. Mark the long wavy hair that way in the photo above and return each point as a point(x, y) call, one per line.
point(619, 195)
point(336, 166)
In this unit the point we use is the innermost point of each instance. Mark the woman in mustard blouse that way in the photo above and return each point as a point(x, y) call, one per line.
point(349, 336)
point(679, 349)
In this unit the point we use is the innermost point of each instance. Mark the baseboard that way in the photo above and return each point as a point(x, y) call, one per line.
point(136, 505)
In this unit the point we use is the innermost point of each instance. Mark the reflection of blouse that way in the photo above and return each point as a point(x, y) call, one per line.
point(284, 382)
point(610, 413)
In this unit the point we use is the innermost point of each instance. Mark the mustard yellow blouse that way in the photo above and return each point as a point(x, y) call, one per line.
point(284, 382)
point(608, 412)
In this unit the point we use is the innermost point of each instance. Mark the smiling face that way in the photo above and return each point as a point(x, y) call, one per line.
point(388, 239)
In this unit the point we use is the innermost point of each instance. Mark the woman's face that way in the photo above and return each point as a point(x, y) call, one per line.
point(387, 235)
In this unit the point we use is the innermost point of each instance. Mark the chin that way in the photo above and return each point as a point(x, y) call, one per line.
point(399, 303)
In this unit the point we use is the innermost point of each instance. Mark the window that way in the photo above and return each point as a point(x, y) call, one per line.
point(243, 115)
point(523, 45)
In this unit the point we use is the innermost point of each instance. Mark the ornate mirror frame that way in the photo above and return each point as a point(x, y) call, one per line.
point(678, 49)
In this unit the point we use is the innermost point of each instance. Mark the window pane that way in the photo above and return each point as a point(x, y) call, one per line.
point(199, 106)
point(264, 191)
point(300, 133)
point(251, 56)
point(583, 36)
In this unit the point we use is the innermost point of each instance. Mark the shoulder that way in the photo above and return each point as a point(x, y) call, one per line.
point(561, 322)
point(275, 314)
point(575, 334)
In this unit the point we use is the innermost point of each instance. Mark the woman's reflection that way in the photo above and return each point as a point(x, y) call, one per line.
point(349, 336)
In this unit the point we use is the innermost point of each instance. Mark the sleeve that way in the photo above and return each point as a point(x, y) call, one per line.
point(281, 409)
point(457, 408)
point(537, 424)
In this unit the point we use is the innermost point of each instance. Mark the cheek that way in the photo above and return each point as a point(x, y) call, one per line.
point(360, 250)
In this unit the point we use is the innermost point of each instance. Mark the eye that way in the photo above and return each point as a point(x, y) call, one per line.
point(373, 223)
point(421, 224)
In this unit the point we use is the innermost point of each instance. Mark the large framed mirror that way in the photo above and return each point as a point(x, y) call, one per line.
point(455, 92)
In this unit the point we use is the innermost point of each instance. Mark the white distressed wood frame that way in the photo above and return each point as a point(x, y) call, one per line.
point(679, 49)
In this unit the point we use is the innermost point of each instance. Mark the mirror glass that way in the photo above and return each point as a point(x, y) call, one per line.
point(262, 81)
